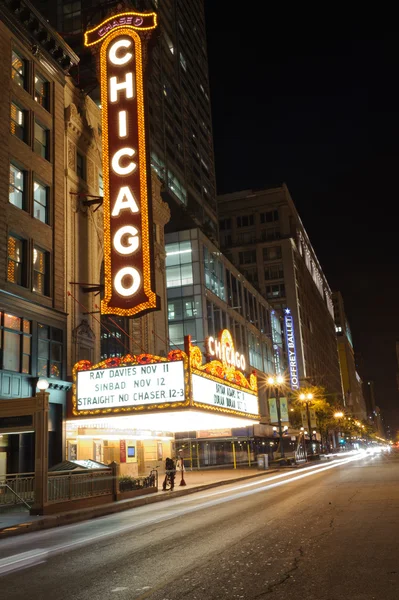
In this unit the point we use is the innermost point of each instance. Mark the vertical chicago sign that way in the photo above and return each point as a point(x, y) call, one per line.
point(128, 266)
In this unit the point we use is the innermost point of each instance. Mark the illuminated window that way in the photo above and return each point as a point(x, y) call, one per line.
point(41, 142)
point(16, 260)
point(16, 195)
point(179, 268)
point(49, 352)
point(114, 336)
point(100, 185)
point(18, 122)
point(214, 273)
point(16, 342)
point(40, 271)
point(275, 291)
point(18, 69)
point(42, 96)
point(40, 203)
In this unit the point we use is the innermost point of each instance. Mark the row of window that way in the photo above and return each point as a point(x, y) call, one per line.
point(270, 216)
point(20, 75)
point(20, 126)
point(16, 340)
point(33, 272)
point(28, 193)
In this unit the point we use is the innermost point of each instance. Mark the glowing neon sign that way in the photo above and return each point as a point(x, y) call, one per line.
point(128, 261)
point(290, 339)
point(224, 350)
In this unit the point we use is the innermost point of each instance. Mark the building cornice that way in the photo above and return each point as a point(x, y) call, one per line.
point(21, 17)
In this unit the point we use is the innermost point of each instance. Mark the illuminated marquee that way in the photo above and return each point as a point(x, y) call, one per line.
point(224, 350)
point(290, 339)
point(128, 263)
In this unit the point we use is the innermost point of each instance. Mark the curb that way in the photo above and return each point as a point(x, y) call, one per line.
point(76, 516)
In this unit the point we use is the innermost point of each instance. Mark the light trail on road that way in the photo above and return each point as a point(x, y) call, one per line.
point(37, 556)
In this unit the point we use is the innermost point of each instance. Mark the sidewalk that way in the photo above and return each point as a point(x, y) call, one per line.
point(18, 521)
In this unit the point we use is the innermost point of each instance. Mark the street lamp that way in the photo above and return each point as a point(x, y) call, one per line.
point(339, 415)
point(307, 399)
point(276, 382)
point(41, 446)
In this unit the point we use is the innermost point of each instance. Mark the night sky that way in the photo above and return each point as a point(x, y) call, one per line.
point(318, 109)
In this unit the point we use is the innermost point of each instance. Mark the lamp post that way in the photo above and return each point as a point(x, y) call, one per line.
point(41, 446)
point(339, 415)
point(276, 382)
point(307, 399)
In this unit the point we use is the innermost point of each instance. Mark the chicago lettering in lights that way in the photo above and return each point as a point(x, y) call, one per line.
point(224, 350)
point(290, 339)
point(128, 256)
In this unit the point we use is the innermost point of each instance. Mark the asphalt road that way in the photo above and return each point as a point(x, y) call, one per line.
point(328, 532)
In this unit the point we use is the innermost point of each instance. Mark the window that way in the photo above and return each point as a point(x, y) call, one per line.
point(274, 271)
point(80, 165)
point(114, 336)
point(42, 96)
point(271, 233)
point(214, 273)
point(72, 17)
point(269, 217)
point(245, 221)
point(182, 308)
point(40, 204)
point(100, 185)
point(272, 253)
point(275, 291)
point(16, 342)
point(179, 269)
point(247, 257)
point(18, 122)
point(18, 69)
point(16, 194)
point(224, 224)
point(41, 143)
point(40, 271)
point(16, 260)
point(49, 352)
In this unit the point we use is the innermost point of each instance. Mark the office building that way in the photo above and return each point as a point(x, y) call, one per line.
point(179, 111)
point(35, 62)
point(263, 236)
point(351, 380)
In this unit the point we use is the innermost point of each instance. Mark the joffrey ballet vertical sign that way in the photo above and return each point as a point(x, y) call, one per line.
point(290, 340)
point(128, 265)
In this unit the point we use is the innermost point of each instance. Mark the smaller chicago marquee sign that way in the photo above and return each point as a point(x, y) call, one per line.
point(143, 383)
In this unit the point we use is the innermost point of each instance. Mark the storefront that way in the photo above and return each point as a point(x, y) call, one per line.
point(132, 409)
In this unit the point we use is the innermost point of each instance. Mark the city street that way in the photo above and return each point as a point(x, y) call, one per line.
point(323, 532)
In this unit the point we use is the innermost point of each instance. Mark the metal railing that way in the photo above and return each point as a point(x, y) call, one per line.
point(69, 485)
point(17, 488)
